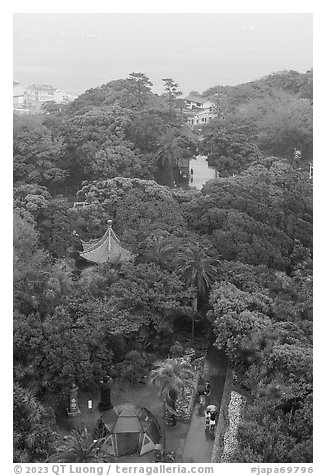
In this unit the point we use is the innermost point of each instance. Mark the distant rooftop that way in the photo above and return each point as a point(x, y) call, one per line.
point(42, 87)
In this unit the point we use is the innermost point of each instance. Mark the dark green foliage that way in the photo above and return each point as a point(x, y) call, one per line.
point(287, 126)
point(121, 161)
point(56, 224)
point(150, 296)
point(33, 428)
point(137, 207)
point(62, 348)
point(146, 128)
point(271, 116)
point(241, 249)
point(230, 145)
point(37, 155)
point(260, 322)
point(31, 266)
point(255, 217)
point(131, 93)
point(174, 145)
point(160, 248)
point(87, 133)
point(79, 447)
point(133, 367)
point(269, 436)
point(31, 198)
point(290, 82)
point(197, 267)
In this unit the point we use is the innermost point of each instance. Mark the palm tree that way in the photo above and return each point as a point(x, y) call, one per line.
point(170, 377)
point(158, 248)
point(168, 154)
point(79, 447)
point(198, 270)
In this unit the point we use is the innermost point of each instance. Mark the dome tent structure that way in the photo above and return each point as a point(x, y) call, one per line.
point(128, 429)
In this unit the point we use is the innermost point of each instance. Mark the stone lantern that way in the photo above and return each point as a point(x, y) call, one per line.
point(73, 409)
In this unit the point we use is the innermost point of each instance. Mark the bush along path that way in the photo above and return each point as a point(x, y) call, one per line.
point(199, 446)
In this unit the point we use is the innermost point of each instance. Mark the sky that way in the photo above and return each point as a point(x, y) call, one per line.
point(79, 51)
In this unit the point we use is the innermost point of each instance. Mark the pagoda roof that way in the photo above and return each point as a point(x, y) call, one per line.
point(107, 248)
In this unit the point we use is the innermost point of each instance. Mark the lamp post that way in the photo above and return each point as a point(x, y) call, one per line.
point(105, 402)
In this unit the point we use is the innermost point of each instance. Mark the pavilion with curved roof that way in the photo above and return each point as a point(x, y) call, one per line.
point(106, 249)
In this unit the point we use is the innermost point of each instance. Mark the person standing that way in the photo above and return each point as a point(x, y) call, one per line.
point(207, 419)
point(207, 388)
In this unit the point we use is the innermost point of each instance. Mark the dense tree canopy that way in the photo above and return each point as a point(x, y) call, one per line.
point(137, 207)
point(271, 116)
point(256, 216)
point(242, 246)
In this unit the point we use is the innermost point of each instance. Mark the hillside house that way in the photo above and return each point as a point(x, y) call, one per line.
point(39, 93)
point(198, 102)
point(200, 110)
point(18, 95)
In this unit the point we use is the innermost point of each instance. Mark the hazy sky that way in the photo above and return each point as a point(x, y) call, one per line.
point(79, 51)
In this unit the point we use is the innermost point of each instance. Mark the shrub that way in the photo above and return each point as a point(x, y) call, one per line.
point(133, 367)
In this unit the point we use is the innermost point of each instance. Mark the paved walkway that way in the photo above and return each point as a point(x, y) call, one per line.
point(199, 446)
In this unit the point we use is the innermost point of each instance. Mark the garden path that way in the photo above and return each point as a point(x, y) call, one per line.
point(199, 446)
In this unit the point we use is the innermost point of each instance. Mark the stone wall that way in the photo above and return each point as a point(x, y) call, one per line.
point(235, 409)
point(223, 421)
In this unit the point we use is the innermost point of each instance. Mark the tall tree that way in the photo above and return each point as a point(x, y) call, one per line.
point(168, 154)
point(199, 270)
point(142, 85)
point(172, 93)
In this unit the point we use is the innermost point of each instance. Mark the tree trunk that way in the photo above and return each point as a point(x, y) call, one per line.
point(105, 401)
point(171, 403)
point(194, 307)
